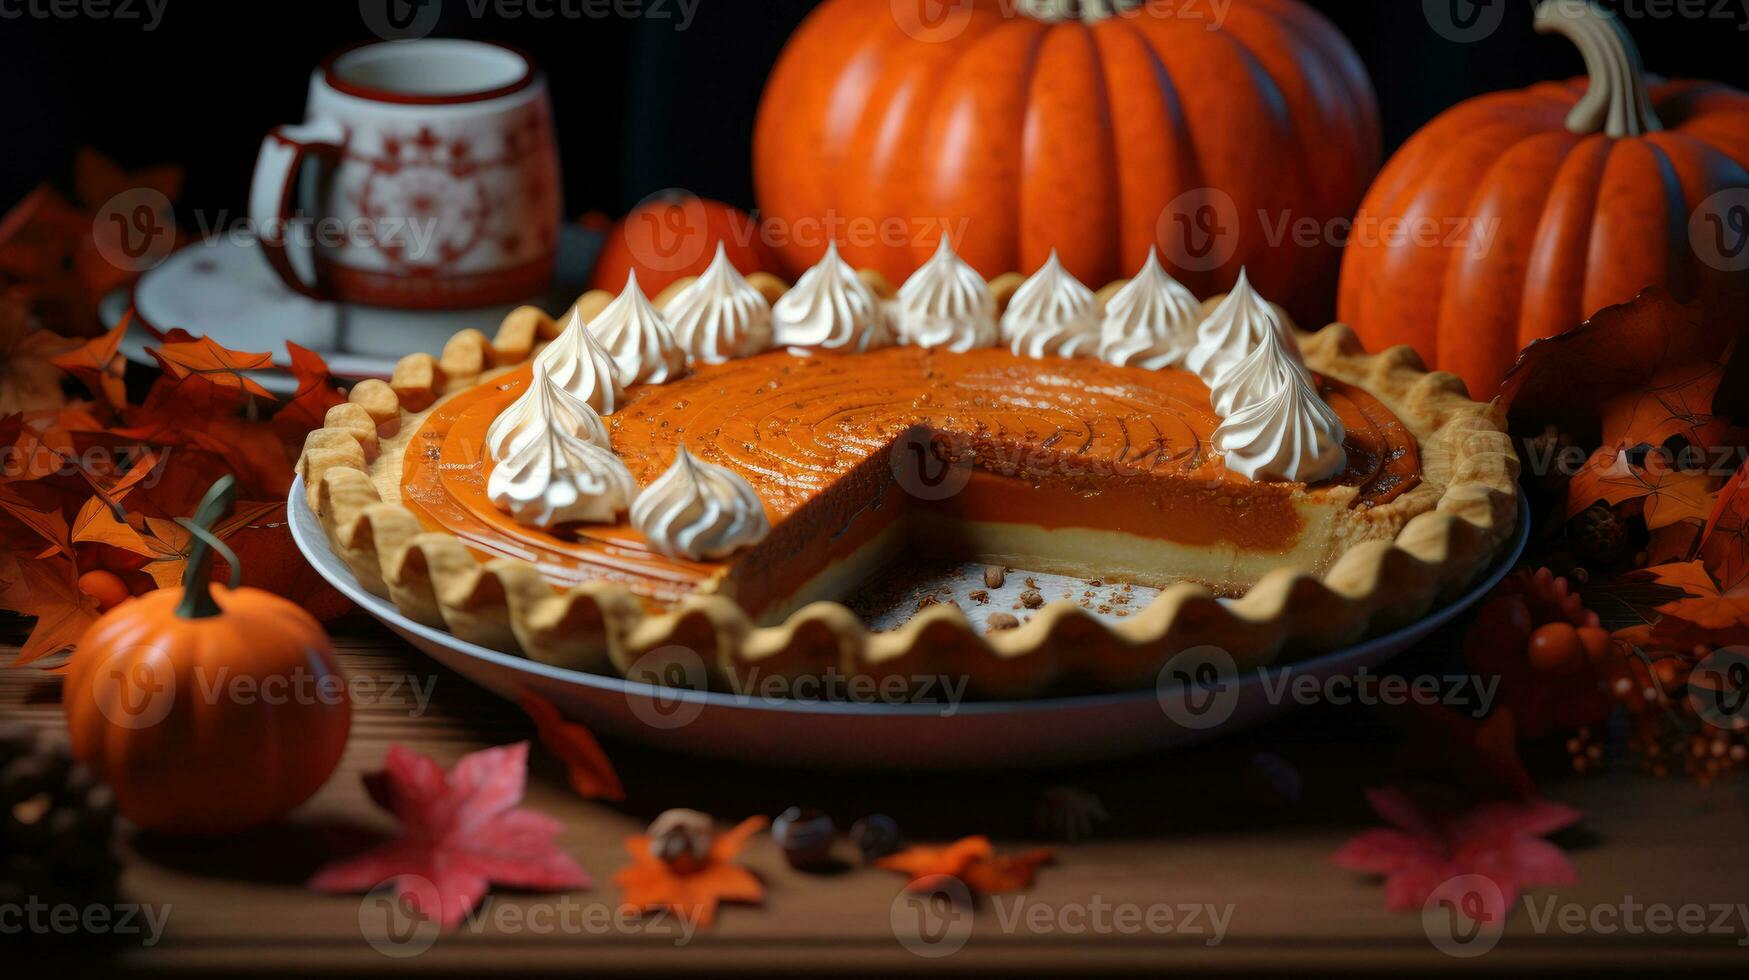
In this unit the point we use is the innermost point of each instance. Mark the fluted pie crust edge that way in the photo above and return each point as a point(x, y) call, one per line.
point(1465, 508)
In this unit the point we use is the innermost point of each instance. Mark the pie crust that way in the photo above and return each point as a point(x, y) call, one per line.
point(1451, 525)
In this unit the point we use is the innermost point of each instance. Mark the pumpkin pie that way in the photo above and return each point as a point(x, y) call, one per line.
point(701, 480)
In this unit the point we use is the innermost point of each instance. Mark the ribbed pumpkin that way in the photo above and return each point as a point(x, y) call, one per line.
point(1539, 207)
point(1090, 127)
point(674, 236)
point(208, 709)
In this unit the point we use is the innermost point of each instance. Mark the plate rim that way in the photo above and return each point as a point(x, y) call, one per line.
point(307, 535)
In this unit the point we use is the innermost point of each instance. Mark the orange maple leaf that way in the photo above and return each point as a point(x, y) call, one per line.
point(1725, 544)
point(1676, 401)
point(97, 178)
point(1705, 605)
point(206, 358)
point(29, 379)
point(973, 860)
point(49, 590)
point(48, 523)
point(99, 365)
point(651, 883)
point(1670, 495)
point(1674, 542)
point(316, 393)
point(590, 772)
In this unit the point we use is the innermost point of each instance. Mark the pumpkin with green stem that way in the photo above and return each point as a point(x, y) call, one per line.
point(209, 709)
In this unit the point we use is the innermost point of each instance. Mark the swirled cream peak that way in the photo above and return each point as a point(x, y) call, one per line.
point(554, 473)
point(544, 406)
point(1151, 322)
point(576, 362)
point(720, 316)
point(1287, 434)
point(1274, 363)
point(638, 339)
point(831, 310)
point(1231, 331)
point(699, 510)
point(1051, 315)
point(947, 304)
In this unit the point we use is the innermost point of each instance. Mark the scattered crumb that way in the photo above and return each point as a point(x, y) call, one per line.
point(1031, 583)
point(994, 576)
point(1031, 598)
point(1096, 583)
point(926, 602)
point(1000, 621)
point(980, 596)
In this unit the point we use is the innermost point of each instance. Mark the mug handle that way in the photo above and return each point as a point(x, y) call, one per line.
point(282, 156)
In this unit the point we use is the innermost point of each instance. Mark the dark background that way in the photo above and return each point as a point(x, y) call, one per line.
point(641, 106)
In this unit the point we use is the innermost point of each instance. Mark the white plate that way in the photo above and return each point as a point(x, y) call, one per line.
point(222, 288)
point(856, 735)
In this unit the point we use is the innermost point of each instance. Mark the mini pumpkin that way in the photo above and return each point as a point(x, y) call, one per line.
point(675, 236)
point(1518, 215)
point(208, 709)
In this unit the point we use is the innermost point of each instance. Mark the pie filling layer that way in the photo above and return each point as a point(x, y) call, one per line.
point(1073, 467)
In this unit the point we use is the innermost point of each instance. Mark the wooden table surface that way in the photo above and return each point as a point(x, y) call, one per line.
point(1200, 828)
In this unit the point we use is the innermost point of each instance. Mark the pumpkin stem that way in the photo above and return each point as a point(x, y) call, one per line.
point(1617, 102)
point(1088, 11)
point(197, 594)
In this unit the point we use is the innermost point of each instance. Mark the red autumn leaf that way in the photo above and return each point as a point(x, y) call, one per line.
point(99, 365)
point(49, 590)
point(972, 860)
point(1676, 401)
point(590, 772)
point(39, 447)
point(462, 832)
point(650, 883)
point(97, 178)
point(113, 488)
point(316, 393)
point(1675, 542)
point(29, 379)
point(1499, 840)
point(1670, 495)
point(1565, 380)
point(48, 522)
point(1725, 545)
point(206, 358)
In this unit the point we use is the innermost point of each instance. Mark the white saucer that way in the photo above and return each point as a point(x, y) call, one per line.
point(883, 736)
point(222, 288)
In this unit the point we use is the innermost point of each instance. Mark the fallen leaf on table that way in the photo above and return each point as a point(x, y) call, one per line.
point(49, 590)
point(1670, 495)
point(1673, 542)
point(973, 860)
point(316, 393)
point(462, 833)
point(1725, 544)
point(1676, 401)
point(29, 379)
point(97, 178)
point(98, 364)
point(48, 523)
point(1501, 841)
point(650, 883)
point(206, 358)
point(590, 772)
point(1705, 605)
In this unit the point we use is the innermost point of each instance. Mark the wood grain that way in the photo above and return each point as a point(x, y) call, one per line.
point(1192, 828)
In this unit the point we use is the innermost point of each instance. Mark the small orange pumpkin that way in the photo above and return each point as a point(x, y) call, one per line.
point(674, 236)
point(208, 709)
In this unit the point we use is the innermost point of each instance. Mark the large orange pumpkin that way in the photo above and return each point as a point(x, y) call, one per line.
point(207, 709)
point(1093, 128)
point(1518, 215)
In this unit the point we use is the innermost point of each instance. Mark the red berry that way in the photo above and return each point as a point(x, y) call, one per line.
point(106, 587)
point(1597, 643)
point(1555, 648)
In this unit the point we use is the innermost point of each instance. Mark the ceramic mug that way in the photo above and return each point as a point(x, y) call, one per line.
point(432, 179)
